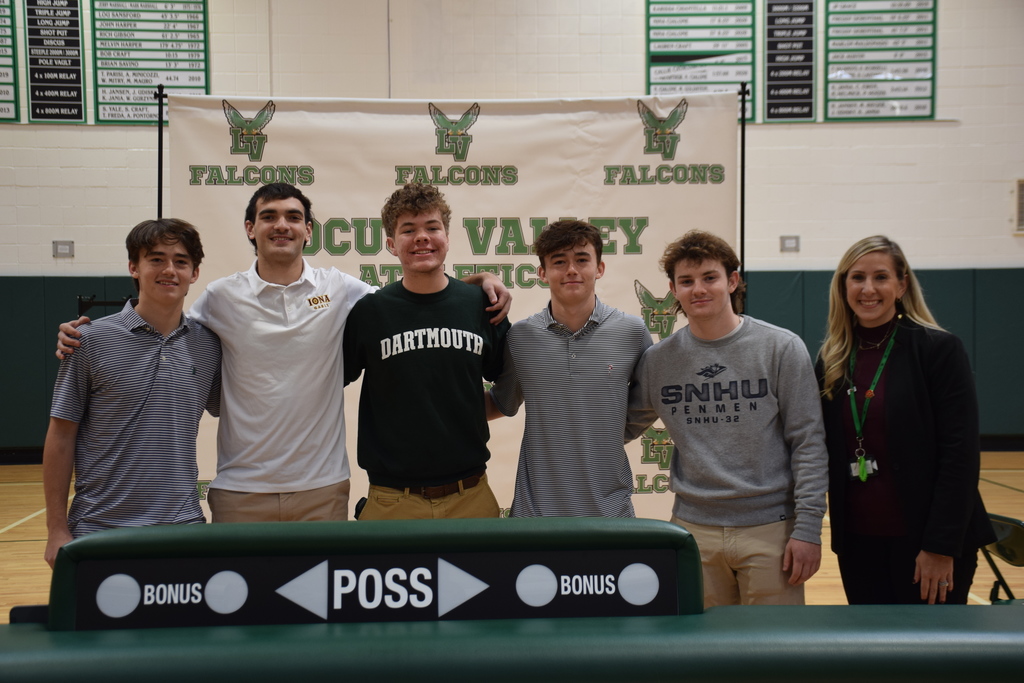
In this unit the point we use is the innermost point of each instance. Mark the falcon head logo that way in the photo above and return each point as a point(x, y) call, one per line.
point(247, 135)
point(452, 136)
point(658, 314)
point(660, 134)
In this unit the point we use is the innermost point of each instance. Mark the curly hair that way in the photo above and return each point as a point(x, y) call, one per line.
point(417, 199)
point(839, 337)
point(696, 246)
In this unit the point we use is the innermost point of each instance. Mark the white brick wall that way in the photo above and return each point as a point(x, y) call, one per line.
point(943, 188)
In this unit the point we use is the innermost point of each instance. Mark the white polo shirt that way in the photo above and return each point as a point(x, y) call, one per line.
point(282, 424)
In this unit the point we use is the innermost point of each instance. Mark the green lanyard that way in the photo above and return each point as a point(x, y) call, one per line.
point(860, 418)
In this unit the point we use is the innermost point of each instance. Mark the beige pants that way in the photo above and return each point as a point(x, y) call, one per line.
point(743, 565)
point(328, 503)
point(388, 503)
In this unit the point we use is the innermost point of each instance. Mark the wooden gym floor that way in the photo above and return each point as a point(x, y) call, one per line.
point(25, 577)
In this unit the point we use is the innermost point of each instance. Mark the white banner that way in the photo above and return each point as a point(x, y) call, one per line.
point(643, 170)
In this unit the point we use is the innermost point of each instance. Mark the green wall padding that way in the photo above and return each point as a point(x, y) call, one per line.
point(998, 363)
point(976, 305)
point(39, 305)
point(25, 397)
point(979, 306)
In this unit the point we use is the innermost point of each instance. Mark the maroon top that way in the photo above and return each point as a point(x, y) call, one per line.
point(873, 506)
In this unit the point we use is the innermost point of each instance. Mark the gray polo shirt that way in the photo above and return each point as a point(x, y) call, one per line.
point(137, 397)
point(572, 462)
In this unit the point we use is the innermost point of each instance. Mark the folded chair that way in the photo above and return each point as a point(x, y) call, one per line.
point(1009, 547)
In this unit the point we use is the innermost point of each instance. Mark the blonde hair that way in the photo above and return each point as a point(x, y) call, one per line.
point(839, 338)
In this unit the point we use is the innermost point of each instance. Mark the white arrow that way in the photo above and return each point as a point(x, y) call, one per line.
point(454, 587)
point(309, 590)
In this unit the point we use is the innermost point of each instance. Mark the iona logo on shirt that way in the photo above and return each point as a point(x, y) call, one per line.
point(319, 301)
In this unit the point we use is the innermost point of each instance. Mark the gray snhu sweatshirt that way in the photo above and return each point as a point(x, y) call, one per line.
point(745, 416)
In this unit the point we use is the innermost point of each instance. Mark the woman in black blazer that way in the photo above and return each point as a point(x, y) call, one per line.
point(901, 423)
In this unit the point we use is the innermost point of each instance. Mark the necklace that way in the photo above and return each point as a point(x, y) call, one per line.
point(871, 346)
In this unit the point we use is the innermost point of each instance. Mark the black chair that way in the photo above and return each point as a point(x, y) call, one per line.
point(1009, 547)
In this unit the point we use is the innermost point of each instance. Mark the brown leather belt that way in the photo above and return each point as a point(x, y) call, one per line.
point(442, 490)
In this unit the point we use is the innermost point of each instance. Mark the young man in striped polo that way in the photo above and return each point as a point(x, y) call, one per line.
point(126, 405)
point(571, 363)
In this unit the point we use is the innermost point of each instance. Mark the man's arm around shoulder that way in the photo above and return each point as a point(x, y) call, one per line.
point(497, 294)
point(68, 337)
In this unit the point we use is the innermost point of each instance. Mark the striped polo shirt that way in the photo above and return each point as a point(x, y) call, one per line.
point(572, 462)
point(137, 397)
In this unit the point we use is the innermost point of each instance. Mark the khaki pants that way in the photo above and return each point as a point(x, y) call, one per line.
point(743, 565)
point(328, 503)
point(387, 503)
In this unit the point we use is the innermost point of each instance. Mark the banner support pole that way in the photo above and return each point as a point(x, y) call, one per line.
point(160, 96)
point(744, 91)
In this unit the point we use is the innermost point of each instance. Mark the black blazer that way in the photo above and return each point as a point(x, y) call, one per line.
point(931, 426)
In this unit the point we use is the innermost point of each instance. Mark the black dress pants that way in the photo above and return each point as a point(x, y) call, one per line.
point(879, 570)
